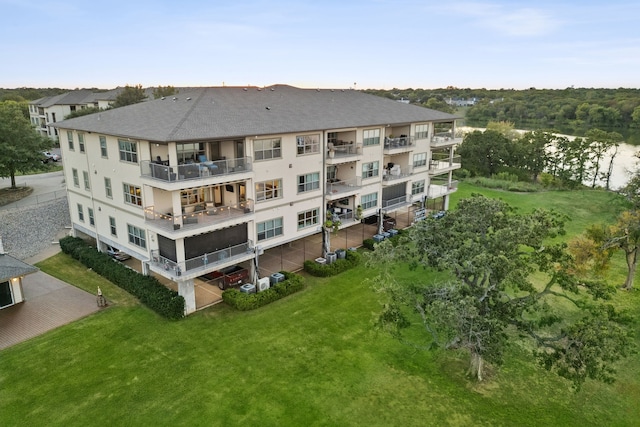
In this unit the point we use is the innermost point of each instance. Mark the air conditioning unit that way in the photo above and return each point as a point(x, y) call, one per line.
point(264, 284)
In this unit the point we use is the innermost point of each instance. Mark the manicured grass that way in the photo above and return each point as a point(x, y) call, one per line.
point(312, 358)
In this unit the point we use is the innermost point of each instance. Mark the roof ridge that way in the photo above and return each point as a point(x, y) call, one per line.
point(186, 114)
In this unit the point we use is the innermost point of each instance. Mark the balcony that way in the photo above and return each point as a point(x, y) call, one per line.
point(441, 188)
point(397, 172)
point(442, 162)
point(444, 139)
point(339, 188)
point(202, 264)
point(167, 223)
point(398, 145)
point(160, 171)
point(340, 152)
point(395, 203)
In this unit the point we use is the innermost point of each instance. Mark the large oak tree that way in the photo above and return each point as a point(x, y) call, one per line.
point(507, 283)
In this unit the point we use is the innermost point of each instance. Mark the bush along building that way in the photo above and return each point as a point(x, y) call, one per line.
point(194, 184)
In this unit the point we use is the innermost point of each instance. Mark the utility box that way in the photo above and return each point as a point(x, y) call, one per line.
point(248, 288)
point(277, 278)
point(331, 257)
point(378, 238)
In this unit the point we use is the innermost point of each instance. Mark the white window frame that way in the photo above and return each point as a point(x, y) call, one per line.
point(369, 201)
point(419, 160)
point(103, 147)
point(85, 178)
point(307, 144)
point(267, 149)
point(417, 187)
point(308, 218)
point(137, 236)
point(76, 179)
point(422, 131)
point(80, 213)
point(370, 137)
point(128, 151)
point(308, 182)
point(112, 226)
point(132, 194)
point(81, 142)
point(92, 220)
point(269, 190)
point(70, 140)
point(108, 190)
point(270, 229)
point(371, 169)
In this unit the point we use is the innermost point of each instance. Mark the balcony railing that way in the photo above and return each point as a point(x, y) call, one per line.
point(202, 263)
point(344, 150)
point(441, 162)
point(439, 188)
point(163, 172)
point(397, 172)
point(398, 143)
point(201, 218)
point(343, 186)
point(444, 139)
point(396, 202)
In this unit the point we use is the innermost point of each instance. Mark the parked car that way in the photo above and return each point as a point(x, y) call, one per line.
point(48, 155)
point(116, 254)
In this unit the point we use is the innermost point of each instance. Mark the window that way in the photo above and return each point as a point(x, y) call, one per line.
point(81, 142)
point(371, 137)
point(128, 151)
point(417, 187)
point(308, 144)
point(370, 169)
point(76, 181)
point(85, 177)
point(419, 159)
point(132, 194)
point(80, 213)
point(422, 131)
point(103, 146)
point(190, 152)
point(112, 226)
point(137, 236)
point(107, 188)
point(92, 220)
point(308, 182)
point(369, 201)
point(264, 149)
point(270, 229)
point(332, 173)
point(308, 218)
point(70, 139)
point(267, 190)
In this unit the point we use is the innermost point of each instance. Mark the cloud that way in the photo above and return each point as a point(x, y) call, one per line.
point(519, 22)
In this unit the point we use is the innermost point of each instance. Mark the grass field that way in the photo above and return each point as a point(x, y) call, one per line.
point(310, 359)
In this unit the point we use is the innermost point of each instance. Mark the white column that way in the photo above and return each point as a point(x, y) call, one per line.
point(187, 291)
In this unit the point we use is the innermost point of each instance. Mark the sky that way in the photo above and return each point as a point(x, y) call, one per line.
point(361, 44)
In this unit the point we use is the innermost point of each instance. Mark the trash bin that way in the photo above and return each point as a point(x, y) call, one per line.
point(331, 257)
point(341, 254)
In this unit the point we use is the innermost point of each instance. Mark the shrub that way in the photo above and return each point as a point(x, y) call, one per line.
point(242, 301)
point(147, 289)
point(369, 243)
point(352, 259)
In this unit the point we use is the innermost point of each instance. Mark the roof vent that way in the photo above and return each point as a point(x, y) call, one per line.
point(272, 89)
point(162, 98)
point(259, 89)
point(174, 98)
point(268, 108)
point(244, 89)
point(188, 98)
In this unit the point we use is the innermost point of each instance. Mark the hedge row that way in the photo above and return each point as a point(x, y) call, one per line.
point(351, 260)
point(241, 301)
point(147, 289)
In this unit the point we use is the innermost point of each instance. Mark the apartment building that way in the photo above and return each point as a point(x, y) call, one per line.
point(214, 176)
point(45, 112)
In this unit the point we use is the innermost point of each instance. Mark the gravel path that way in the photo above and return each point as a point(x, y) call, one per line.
point(29, 230)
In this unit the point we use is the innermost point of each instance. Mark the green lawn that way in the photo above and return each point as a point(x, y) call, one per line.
point(312, 358)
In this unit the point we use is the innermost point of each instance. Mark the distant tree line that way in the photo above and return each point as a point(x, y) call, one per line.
point(573, 110)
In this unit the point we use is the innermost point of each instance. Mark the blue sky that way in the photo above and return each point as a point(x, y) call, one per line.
point(321, 43)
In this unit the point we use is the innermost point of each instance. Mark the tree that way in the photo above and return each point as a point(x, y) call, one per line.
point(533, 152)
point(484, 153)
point(161, 91)
point(600, 142)
point(83, 112)
point(130, 95)
point(20, 146)
point(491, 253)
point(625, 235)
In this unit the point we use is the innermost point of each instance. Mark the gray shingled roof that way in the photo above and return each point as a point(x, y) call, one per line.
point(74, 97)
point(11, 267)
point(228, 112)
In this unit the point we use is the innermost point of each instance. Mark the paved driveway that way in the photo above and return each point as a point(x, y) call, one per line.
point(50, 303)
